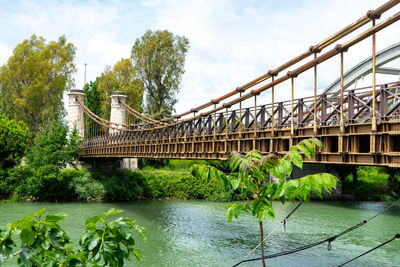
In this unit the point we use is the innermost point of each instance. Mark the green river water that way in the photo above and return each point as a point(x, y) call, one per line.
point(195, 233)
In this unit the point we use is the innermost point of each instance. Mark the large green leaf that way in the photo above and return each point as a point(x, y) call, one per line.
point(137, 254)
point(304, 149)
point(316, 142)
point(278, 172)
point(307, 143)
point(27, 237)
point(56, 217)
point(235, 183)
point(287, 166)
point(316, 183)
point(296, 158)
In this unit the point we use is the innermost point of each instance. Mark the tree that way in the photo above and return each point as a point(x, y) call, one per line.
point(53, 151)
point(106, 241)
point(121, 78)
point(34, 78)
point(93, 101)
point(92, 96)
point(159, 59)
point(14, 137)
point(251, 172)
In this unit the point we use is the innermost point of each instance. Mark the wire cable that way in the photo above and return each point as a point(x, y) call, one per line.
point(359, 256)
point(283, 221)
point(329, 240)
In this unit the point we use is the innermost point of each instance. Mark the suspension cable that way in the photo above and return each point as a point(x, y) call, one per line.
point(139, 115)
point(380, 245)
point(102, 121)
point(97, 118)
point(329, 240)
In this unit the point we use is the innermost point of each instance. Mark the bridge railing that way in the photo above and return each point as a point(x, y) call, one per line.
point(357, 109)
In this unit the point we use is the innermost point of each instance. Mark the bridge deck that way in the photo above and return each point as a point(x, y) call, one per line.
point(215, 136)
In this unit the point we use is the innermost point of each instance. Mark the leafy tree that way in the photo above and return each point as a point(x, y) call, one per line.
point(121, 78)
point(92, 96)
point(159, 59)
point(14, 137)
point(93, 101)
point(53, 151)
point(34, 78)
point(251, 172)
point(43, 242)
point(54, 147)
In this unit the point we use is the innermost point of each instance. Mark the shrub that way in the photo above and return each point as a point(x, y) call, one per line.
point(41, 178)
point(14, 137)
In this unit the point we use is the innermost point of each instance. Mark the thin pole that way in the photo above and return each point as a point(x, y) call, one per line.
point(255, 122)
point(292, 109)
point(273, 108)
point(315, 96)
point(226, 122)
point(255, 115)
point(240, 114)
point(373, 79)
point(215, 121)
point(341, 94)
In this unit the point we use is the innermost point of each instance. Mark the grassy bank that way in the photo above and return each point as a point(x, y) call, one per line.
point(171, 181)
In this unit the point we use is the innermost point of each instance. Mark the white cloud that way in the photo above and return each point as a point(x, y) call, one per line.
point(231, 41)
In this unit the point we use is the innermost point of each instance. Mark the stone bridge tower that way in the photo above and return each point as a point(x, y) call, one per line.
point(117, 114)
point(75, 113)
point(76, 119)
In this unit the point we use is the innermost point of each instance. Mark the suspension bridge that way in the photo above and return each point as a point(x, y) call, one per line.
point(357, 126)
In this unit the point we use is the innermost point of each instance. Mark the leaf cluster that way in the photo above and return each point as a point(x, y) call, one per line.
point(266, 177)
point(110, 242)
point(40, 178)
point(43, 242)
point(14, 138)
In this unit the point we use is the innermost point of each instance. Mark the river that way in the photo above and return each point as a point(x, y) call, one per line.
point(195, 233)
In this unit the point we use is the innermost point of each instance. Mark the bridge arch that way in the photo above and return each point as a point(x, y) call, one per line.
point(364, 68)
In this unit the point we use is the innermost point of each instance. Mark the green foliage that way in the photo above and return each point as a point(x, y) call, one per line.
point(43, 242)
point(110, 242)
point(153, 163)
point(251, 172)
point(159, 59)
point(14, 137)
point(81, 184)
point(92, 96)
point(122, 77)
point(53, 151)
point(54, 148)
point(373, 183)
point(34, 78)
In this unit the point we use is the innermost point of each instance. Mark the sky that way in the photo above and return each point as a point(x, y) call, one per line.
point(231, 41)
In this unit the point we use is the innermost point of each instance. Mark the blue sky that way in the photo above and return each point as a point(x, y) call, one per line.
point(231, 42)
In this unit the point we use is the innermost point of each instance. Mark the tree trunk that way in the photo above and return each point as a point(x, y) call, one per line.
point(262, 243)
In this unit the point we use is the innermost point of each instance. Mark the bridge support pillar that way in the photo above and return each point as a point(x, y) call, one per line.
point(118, 115)
point(117, 111)
point(75, 112)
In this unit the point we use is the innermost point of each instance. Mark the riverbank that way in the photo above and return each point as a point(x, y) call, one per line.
point(173, 181)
